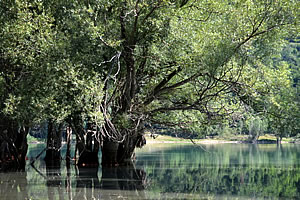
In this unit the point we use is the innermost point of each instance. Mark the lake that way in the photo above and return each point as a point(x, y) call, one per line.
point(168, 171)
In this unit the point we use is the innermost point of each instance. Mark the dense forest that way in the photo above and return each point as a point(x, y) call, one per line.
point(107, 71)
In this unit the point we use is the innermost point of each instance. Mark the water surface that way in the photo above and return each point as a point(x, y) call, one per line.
point(168, 171)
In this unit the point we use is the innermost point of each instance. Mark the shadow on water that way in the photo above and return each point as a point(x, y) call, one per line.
point(87, 179)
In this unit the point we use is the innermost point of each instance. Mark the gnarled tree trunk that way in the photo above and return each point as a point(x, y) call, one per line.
point(121, 153)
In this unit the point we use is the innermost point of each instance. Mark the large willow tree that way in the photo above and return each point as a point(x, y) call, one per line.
point(185, 63)
point(176, 64)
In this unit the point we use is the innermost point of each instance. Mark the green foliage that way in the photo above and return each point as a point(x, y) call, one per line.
point(42, 79)
point(188, 65)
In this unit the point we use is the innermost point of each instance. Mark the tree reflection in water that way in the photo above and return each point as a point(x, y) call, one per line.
point(181, 172)
point(87, 182)
point(123, 178)
point(13, 185)
point(116, 182)
point(54, 180)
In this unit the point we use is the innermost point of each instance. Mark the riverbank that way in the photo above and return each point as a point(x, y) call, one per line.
point(266, 139)
point(170, 139)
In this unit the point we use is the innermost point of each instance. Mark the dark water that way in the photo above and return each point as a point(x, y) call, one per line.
point(168, 171)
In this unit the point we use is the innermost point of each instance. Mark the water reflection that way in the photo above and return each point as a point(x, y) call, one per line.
point(123, 178)
point(13, 185)
point(117, 182)
point(54, 180)
point(248, 171)
point(124, 182)
point(168, 171)
point(87, 179)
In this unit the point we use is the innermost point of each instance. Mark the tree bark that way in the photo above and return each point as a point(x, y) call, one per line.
point(110, 153)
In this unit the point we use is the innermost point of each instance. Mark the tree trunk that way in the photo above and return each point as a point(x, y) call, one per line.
point(87, 144)
point(110, 153)
point(13, 145)
point(114, 153)
point(22, 146)
point(278, 139)
point(126, 150)
point(68, 153)
point(53, 152)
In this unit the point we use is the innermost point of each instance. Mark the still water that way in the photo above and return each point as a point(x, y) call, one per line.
point(168, 171)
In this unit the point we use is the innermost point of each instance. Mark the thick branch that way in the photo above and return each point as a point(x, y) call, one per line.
point(157, 89)
point(176, 85)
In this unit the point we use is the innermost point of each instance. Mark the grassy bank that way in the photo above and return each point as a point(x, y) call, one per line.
point(229, 139)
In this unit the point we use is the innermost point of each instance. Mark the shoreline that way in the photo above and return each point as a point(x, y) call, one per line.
point(187, 141)
point(170, 140)
point(175, 140)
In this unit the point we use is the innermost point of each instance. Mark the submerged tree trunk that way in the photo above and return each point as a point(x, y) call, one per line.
point(13, 145)
point(87, 144)
point(122, 131)
point(126, 149)
point(68, 153)
point(22, 146)
point(53, 152)
point(121, 153)
point(109, 153)
point(278, 139)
